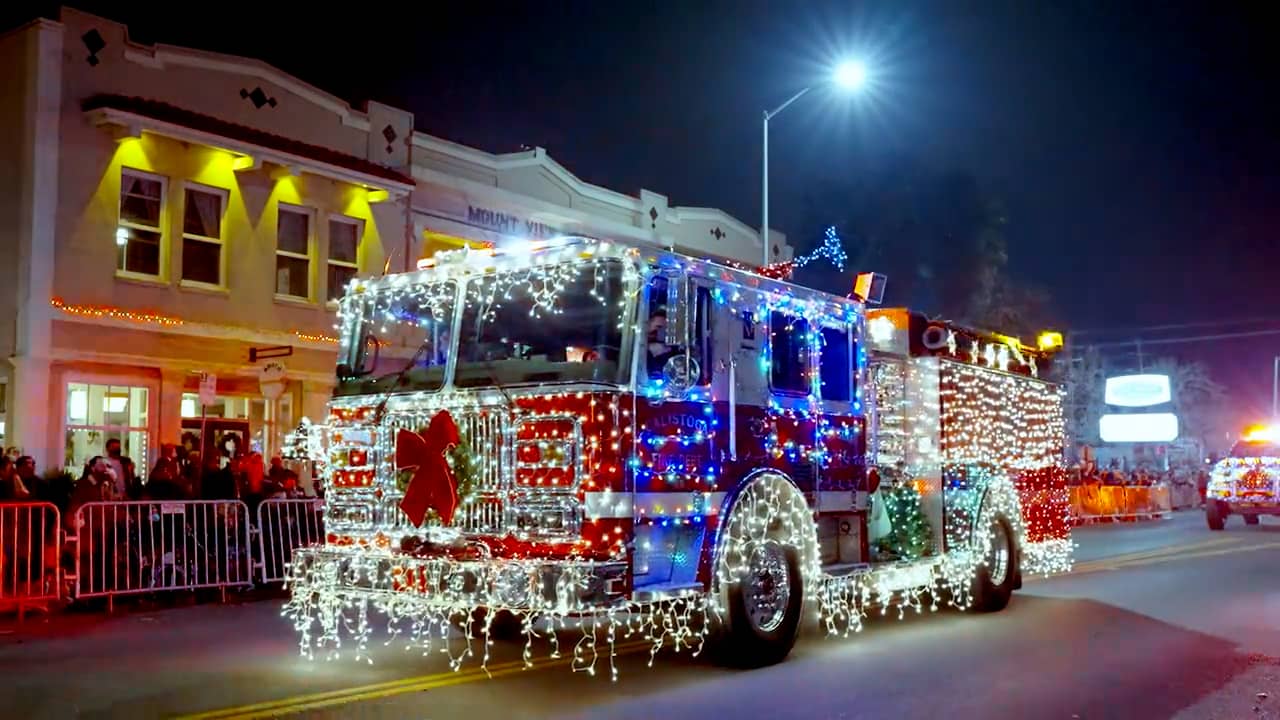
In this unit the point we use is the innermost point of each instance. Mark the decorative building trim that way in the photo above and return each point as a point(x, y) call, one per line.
point(174, 326)
point(158, 56)
point(137, 121)
point(536, 157)
point(69, 355)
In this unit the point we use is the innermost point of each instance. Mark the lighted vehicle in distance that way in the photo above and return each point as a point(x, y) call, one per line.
point(642, 443)
point(1247, 481)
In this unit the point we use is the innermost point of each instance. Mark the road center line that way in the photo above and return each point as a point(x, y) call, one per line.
point(342, 696)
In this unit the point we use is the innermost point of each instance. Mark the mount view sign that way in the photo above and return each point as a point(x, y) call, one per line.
point(509, 223)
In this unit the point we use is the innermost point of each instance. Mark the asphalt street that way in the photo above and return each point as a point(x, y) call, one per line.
point(1159, 620)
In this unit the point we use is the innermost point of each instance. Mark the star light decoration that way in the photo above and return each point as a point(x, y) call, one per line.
point(831, 249)
point(337, 589)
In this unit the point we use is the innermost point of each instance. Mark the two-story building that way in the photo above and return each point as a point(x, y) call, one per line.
point(171, 213)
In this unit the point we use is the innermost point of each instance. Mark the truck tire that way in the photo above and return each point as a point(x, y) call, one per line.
point(764, 608)
point(1251, 520)
point(1214, 516)
point(994, 580)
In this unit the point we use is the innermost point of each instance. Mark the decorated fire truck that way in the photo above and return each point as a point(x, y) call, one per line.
point(1247, 481)
point(592, 437)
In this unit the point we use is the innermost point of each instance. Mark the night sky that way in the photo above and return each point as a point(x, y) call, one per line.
point(1136, 148)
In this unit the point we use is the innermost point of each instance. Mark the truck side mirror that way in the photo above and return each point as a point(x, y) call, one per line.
point(677, 310)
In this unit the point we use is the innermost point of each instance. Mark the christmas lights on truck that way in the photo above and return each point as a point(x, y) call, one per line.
point(586, 436)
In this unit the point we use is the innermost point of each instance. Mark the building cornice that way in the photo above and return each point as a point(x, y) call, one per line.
point(158, 56)
point(206, 330)
point(537, 157)
point(134, 123)
point(174, 364)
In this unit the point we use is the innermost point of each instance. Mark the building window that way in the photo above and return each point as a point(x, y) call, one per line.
point(344, 245)
point(98, 413)
point(202, 236)
point(138, 235)
point(293, 254)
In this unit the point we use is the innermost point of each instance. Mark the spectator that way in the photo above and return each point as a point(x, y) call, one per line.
point(11, 487)
point(27, 474)
point(96, 484)
point(165, 481)
point(125, 472)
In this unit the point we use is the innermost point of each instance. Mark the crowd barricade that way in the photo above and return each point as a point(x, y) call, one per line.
point(284, 525)
point(30, 549)
point(1091, 503)
point(146, 546)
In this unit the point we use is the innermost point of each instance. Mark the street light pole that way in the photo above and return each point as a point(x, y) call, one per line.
point(764, 178)
point(850, 75)
point(1275, 389)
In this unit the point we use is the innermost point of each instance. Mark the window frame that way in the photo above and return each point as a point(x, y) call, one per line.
point(310, 255)
point(330, 262)
point(88, 379)
point(807, 363)
point(159, 229)
point(224, 196)
point(850, 362)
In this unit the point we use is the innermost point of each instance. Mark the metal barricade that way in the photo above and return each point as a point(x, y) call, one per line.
point(151, 546)
point(30, 551)
point(285, 524)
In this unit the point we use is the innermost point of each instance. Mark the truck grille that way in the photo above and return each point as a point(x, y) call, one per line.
point(484, 430)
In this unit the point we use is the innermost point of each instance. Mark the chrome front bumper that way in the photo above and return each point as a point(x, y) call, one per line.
point(561, 586)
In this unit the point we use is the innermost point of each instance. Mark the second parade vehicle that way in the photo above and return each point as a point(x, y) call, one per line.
point(626, 442)
point(1247, 481)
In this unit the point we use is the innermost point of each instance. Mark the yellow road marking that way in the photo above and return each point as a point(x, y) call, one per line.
point(1171, 557)
point(1153, 553)
point(342, 696)
point(1201, 554)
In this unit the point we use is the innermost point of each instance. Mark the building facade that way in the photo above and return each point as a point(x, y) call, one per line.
point(175, 215)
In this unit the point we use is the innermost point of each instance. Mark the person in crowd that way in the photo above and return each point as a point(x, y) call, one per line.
point(26, 466)
point(11, 487)
point(125, 472)
point(191, 475)
point(165, 480)
point(96, 484)
point(217, 482)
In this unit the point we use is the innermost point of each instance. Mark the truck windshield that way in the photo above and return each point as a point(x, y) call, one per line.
point(396, 340)
point(554, 323)
point(1255, 449)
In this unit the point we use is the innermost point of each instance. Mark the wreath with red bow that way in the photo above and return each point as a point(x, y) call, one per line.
point(464, 467)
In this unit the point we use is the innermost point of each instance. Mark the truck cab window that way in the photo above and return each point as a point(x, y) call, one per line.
point(661, 347)
point(836, 369)
point(789, 354)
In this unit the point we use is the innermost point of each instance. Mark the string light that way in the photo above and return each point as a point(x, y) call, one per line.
point(143, 317)
point(831, 249)
point(115, 313)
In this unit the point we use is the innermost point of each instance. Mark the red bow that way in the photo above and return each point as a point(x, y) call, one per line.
point(433, 486)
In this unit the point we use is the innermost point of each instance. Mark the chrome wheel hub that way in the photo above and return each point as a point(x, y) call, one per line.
point(998, 554)
point(767, 587)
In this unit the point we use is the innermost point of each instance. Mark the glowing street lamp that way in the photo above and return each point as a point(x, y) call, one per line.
point(849, 76)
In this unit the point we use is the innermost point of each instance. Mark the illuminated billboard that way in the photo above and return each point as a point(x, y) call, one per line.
point(1139, 428)
point(1138, 390)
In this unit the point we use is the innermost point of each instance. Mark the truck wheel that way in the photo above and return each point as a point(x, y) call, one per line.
point(1213, 515)
point(993, 583)
point(1250, 519)
point(764, 607)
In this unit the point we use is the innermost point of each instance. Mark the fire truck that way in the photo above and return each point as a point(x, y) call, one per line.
point(630, 442)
